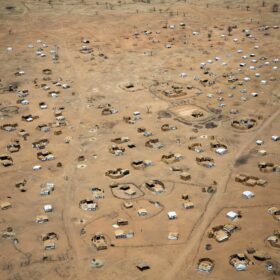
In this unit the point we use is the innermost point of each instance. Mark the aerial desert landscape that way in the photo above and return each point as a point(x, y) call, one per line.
point(140, 139)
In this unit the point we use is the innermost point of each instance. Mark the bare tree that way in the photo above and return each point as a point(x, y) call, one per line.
point(247, 7)
point(148, 109)
point(229, 30)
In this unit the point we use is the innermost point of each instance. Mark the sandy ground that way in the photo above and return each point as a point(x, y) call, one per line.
point(139, 52)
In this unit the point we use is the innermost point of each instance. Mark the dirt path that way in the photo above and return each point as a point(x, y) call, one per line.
point(212, 210)
point(76, 245)
point(249, 142)
point(72, 172)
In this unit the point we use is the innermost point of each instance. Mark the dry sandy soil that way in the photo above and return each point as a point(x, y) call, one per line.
point(138, 52)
